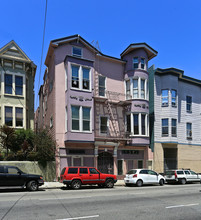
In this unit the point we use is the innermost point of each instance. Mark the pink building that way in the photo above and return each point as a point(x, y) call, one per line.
point(97, 106)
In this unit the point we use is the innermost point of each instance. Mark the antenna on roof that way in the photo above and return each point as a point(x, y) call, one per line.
point(96, 45)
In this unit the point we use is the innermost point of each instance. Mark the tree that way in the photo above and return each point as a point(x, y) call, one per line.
point(7, 136)
point(45, 147)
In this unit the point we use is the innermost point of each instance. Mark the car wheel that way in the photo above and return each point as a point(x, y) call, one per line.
point(32, 185)
point(161, 182)
point(109, 183)
point(76, 184)
point(183, 181)
point(139, 183)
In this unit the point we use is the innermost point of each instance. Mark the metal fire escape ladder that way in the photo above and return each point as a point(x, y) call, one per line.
point(111, 114)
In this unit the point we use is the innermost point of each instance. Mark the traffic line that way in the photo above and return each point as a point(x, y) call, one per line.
point(83, 217)
point(177, 206)
point(65, 198)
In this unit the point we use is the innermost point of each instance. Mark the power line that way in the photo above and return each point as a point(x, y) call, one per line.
point(42, 49)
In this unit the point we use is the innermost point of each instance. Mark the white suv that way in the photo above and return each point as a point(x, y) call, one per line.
point(143, 176)
point(181, 176)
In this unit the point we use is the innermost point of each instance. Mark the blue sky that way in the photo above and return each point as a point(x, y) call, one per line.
point(172, 27)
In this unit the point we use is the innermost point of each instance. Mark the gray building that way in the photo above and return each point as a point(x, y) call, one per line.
point(175, 119)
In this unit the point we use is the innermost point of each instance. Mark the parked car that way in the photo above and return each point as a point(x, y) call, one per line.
point(12, 176)
point(181, 176)
point(140, 177)
point(77, 176)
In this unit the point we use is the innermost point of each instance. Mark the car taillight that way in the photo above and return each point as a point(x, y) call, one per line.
point(135, 176)
point(41, 177)
point(175, 173)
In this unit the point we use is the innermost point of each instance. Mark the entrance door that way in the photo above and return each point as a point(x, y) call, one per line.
point(106, 162)
point(170, 158)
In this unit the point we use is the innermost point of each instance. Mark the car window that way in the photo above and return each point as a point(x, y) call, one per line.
point(143, 172)
point(187, 172)
point(72, 170)
point(84, 170)
point(180, 172)
point(93, 171)
point(151, 172)
point(1, 169)
point(132, 172)
point(192, 172)
point(169, 172)
point(12, 170)
point(63, 171)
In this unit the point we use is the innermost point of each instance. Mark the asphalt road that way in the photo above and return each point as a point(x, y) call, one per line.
point(147, 202)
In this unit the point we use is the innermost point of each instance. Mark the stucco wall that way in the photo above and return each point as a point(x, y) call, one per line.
point(48, 173)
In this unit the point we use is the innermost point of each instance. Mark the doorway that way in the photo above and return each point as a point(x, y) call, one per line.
point(106, 162)
point(170, 158)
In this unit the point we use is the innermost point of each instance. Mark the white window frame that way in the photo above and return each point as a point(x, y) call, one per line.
point(66, 77)
point(189, 133)
point(139, 123)
point(128, 96)
point(164, 104)
point(81, 119)
point(75, 55)
point(139, 89)
point(80, 77)
point(164, 135)
point(173, 135)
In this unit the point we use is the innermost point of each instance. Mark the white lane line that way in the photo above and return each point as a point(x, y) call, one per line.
point(177, 206)
point(65, 198)
point(84, 217)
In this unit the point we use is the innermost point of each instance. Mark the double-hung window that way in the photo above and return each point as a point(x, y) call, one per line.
point(188, 103)
point(136, 123)
point(18, 85)
point(75, 76)
point(174, 98)
point(19, 117)
point(8, 84)
point(128, 91)
point(85, 78)
point(135, 88)
point(142, 88)
point(174, 127)
point(189, 130)
point(86, 118)
point(164, 97)
point(101, 88)
point(103, 125)
point(142, 63)
point(77, 51)
point(9, 116)
point(135, 62)
point(143, 124)
point(165, 127)
point(80, 77)
point(81, 118)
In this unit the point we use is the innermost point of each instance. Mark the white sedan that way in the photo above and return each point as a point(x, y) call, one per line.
point(140, 177)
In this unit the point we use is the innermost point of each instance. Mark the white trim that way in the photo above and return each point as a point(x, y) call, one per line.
point(81, 119)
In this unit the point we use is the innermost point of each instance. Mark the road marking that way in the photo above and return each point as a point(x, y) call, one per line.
point(65, 198)
point(177, 206)
point(84, 217)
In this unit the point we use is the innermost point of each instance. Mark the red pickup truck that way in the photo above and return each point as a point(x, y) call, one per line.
point(77, 176)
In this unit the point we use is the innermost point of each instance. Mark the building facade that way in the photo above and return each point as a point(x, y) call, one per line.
point(97, 106)
point(17, 74)
point(175, 119)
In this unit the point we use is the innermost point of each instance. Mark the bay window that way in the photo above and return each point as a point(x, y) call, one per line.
point(139, 88)
point(135, 62)
point(164, 97)
point(174, 98)
point(165, 127)
point(142, 63)
point(137, 124)
point(18, 85)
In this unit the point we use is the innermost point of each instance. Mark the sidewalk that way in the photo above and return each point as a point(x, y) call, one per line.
point(55, 185)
